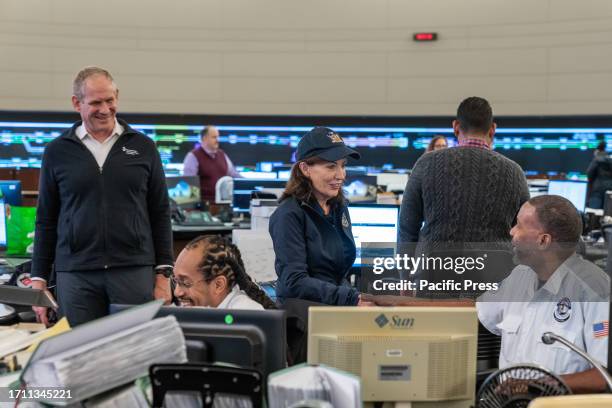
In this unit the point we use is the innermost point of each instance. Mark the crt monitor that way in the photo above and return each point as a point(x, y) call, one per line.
point(402, 354)
point(250, 338)
point(243, 188)
point(184, 190)
point(575, 191)
point(11, 191)
point(3, 240)
point(374, 225)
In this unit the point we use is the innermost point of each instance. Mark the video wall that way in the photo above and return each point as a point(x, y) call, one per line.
point(538, 144)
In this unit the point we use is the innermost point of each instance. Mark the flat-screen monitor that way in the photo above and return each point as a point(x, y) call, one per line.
point(244, 187)
point(268, 166)
point(250, 338)
point(392, 181)
point(374, 230)
point(185, 190)
point(11, 191)
point(3, 241)
point(402, 354)
point(284, 174)
point(575, 191)
point(360, 188)
point(267, 175)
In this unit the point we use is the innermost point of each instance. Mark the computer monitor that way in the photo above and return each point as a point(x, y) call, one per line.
point(284, 174)
point(402, 354)
point(3, 241)
point(244, 187)
point(392, 181)
point(575, 191)
point(11, 191)
point(184, 190)
point(374, 225)
point(250, 338)
point(268, 166)
point(360, 188)
point(267, 175)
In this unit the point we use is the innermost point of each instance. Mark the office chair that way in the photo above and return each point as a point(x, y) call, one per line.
point(207, 380)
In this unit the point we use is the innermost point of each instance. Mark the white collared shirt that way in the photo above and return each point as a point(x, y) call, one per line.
point(573, 303)
point(238, 299)
point(99, 150)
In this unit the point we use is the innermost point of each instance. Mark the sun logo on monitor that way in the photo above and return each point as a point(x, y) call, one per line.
point(381, 321)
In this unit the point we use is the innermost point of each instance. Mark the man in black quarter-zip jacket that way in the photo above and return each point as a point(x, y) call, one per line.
point(103, 217)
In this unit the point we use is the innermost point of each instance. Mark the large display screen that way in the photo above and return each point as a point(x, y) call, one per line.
point(537, 144)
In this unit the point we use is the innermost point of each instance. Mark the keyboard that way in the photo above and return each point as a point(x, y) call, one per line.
point(195, 222)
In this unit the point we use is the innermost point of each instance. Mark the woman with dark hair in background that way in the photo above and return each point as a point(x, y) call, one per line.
point(311, 229)
point(210, 272)
point(436, 143)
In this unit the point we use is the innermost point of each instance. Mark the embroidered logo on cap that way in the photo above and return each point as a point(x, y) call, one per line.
point(334, 137)
point(563, 310)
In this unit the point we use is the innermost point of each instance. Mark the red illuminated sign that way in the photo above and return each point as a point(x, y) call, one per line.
point(425, 36)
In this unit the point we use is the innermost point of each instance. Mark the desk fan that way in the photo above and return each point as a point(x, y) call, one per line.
point(516, 386)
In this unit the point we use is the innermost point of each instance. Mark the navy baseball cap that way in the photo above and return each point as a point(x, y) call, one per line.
point(324, 143)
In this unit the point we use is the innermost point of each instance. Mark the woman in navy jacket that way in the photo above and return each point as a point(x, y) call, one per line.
point(311, 229)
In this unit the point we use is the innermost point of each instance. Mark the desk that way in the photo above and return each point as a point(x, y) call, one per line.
point(14, 262)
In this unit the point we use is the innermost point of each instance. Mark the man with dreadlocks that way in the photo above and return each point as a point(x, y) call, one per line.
point(210, 272)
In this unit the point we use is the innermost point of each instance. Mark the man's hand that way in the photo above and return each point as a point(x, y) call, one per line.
point(41, 311)
point(365, 300)
point(162, 289)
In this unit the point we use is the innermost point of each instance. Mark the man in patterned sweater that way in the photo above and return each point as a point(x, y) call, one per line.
point(463, 194)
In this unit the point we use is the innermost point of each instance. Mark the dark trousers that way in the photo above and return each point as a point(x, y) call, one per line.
point(86, 295)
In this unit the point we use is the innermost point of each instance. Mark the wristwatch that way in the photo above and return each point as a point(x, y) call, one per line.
point(165, 271)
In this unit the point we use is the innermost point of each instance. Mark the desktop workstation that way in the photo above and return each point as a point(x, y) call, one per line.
point(374, 223)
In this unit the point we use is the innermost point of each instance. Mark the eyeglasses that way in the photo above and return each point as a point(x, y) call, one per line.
point(183, 284)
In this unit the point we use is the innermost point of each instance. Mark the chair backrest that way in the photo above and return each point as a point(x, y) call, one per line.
point(208, 380)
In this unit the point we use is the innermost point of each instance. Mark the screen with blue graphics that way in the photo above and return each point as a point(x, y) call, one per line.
point(537, 144)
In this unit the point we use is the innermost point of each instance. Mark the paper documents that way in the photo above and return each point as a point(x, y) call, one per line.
point(104, 363)
point(305, 382)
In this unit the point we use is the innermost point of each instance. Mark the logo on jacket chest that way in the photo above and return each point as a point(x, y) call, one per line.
point(129, 152)
point(563, 310)
point(345, 221)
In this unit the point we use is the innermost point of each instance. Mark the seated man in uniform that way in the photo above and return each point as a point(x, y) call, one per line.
point(552, 290)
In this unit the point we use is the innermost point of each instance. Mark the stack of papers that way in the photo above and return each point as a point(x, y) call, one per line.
point(304, 382)
point(92, 367)
point(128, 396)
point(12, 340)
